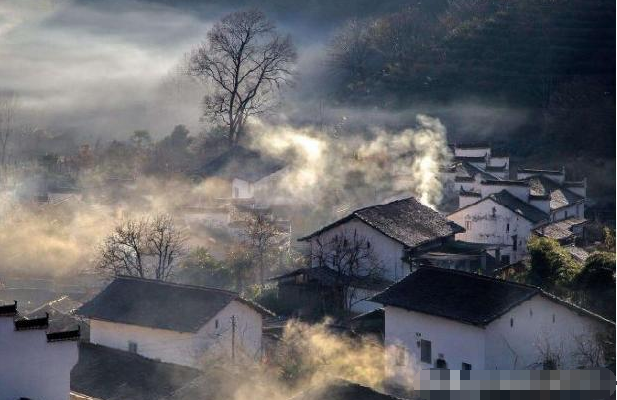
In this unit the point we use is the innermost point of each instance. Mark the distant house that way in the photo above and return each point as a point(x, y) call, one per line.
point(394, 231)
point(500, 219)
point(173, 323)
point(440, 318)
point(35, 363)
point(249, 173)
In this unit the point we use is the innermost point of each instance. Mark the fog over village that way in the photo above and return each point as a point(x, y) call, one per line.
point(206, 199)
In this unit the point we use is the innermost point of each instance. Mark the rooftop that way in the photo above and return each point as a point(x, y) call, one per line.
point(340, 389)
point(514, 204)
point(242, 163)
point(162, 305)
point(461, 296)
point(560, 230)
point(406, 221)
point(559, 195)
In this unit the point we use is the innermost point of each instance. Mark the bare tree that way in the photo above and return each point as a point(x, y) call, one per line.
point(147, 248)
point(166, 244)
point(8, 108)
point(350, 48)
point(353, 259)
point(262, 236)
point(124, 251)
point(246, 60)
point(590, 350)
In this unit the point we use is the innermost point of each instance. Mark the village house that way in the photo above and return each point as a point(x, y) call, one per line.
point(179, 324)
point(35, 362)
point(360, 254)
point(441, 318)
point(249, 175)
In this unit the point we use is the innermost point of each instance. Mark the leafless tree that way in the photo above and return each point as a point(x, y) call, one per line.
point(166, 243)
point(247, 61)
point(550, 356)
point(262, 237)
point(145, 247)
point(8, 107)
point(350, 48)
point(353, 258)
point(590, 350)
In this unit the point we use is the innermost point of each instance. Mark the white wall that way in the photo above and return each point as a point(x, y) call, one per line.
point(520, 191)
point(483, 226)
point(499, 161)
point(518, 347)
point(31, 367)
point(574, 210)
point(241, 189)
point(457, 342)
point(185, 348)
point(388, 251)
point(475, 152)
point(357, 298)
point(559, 178)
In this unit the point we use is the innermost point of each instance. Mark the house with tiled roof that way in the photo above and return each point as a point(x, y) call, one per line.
point(174, 323)
point(441, 318)
point(35, 361)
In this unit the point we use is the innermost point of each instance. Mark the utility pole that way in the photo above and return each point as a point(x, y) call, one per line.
point(233, 338)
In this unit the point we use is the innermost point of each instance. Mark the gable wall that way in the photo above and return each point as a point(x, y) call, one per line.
point(518, 347)
point(493, 229)
point(185, 348)
point(30, 367)
point(456, 341)
point(388, 251)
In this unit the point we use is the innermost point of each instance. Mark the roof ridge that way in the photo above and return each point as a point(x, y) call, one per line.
point(479, 276)
point(181, 285)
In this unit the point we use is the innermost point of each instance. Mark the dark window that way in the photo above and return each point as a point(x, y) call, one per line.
point(553, 318)
point(466, 367)
point(425, 351)
point(132, 347)
point(530, 312)
point(505, 259)
point(216, 324)
point(368, 244)
point(511, 322)
point(566, 213)
point(514, 243)
point(507, 227)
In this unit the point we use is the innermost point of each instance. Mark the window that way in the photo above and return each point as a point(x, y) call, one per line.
point(507, 227)
point(565, 213)
point(132, 347)
point(425, 351)
point(553, 318)
point(530, 312)
point(216, 324)
point(400, 357)
point(467, 225)
point(514, 243)
point(511, 322)
point(466, 367)
point(368, 244)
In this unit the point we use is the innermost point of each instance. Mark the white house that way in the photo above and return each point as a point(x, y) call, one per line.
point(393, 231)
point(441, 318)
point(179, 324)
point(500, 219)
point(34, 363)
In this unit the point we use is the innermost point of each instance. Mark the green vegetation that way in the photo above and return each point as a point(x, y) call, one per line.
point(552, 267)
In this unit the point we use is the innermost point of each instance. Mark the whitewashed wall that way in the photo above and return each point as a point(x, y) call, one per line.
point(574, 210)
point(33, 368)
point(184, 348)
point(499, 161)
point(476, 152)
point(518, 346)
point(457, 342)
point(358, 299)
point(241, 189)
point(464, 201)
point(557, 177)
point(388, 252)
point(482, 225)
point(520, 191)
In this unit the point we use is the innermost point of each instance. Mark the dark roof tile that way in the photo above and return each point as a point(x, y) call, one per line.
point(406, 221)
point(242, 163)
point(158, 304)
point(560, 196)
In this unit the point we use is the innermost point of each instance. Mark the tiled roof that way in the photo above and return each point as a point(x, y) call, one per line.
point(514, 204)
point(540, 171)
point(461, 296)
point(329, 277)
point(112, 374)
point(469, 159)
point(560, 230)
point(406, 221)
point(341, 390)
point(242, 163)
point(161, 305)
point(559, 195)
point(504, 182)
point(8, 310)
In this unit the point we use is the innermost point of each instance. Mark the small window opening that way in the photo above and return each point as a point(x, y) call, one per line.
point(132, 347)
point(507, 227)
point(368, 244)
point(425, 351)
point(441, 363)
point(511, 322)
point(553, 318)
point(566, 214)
point(216, 324)
point(530, 312)
point(466, 367)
